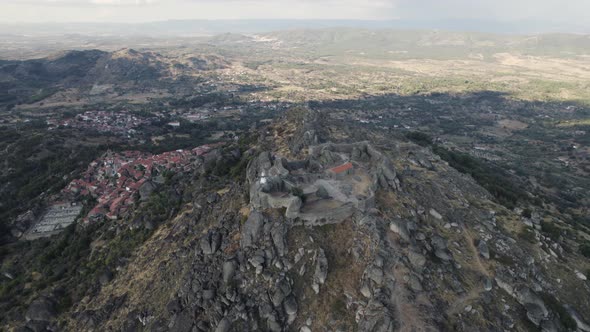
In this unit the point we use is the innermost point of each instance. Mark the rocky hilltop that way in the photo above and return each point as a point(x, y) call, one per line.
point(328, 228)
point(95, 72)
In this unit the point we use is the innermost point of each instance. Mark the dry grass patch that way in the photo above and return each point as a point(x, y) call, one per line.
point(344, 275)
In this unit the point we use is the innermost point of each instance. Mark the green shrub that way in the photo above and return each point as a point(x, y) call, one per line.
point(527, 213)
point(496, 180)
point(419, 138)
point(550, 229)
point(585, 250)
point(564, 317)
point(296, 191)
point(505, 260)
point(339, 307)
point(238, 172)
point(528, 235)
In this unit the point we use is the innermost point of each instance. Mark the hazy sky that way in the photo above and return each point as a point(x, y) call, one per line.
point(156, 10)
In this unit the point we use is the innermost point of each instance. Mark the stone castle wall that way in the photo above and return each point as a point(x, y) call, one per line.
point(271, 181)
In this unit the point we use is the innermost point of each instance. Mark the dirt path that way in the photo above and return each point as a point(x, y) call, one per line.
point(474, 293)
point(475, 253)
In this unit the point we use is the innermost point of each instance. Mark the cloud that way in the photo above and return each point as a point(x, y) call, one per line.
point(122, 2)
point(287, 3)
point(495, 9)
point(155, 10)
point(80, 3)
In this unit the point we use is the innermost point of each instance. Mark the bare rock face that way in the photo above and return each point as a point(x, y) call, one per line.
point(310, 137)
point(210, 243)
point(375, 273)
point(281, 290)
point(290, 305)
point(146, 190)
point(377, 318)
point(487, 284)
point(278, 233)
point(41, 310)
point(483, 249)
point(400, 228)
point(224, 325)
point(416, 259)
point(387, 176)
point(22, 223)
point(252, 228)
point(293, 207)
point(321, 270)
point(534, 305)
point(323, 193)
point(267, 186)
point(440, 248)
point(435, 214)
point(581, 323)
point(229, 269)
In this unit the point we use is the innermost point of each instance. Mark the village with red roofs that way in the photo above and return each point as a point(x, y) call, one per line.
point(115, 181)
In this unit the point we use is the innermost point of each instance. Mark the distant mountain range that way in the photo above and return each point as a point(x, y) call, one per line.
point(19, 80)
point(426, 43)
point(213, 27)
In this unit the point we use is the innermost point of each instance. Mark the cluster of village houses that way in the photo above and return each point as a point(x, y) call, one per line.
point(115, 179)
point(102, 121)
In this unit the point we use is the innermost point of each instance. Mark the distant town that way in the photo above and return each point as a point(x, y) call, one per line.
point(102, 121)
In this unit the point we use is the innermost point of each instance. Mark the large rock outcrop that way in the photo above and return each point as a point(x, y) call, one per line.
point(328, 186)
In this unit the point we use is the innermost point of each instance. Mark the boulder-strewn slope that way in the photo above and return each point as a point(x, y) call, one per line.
point(432, 252)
